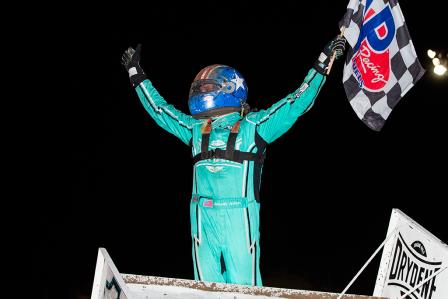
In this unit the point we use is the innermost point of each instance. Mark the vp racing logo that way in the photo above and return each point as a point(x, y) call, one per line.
point(410, 266)
point(371, 59)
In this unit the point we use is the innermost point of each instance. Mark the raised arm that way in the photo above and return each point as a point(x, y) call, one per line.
point(164, 114)
point(279, 118)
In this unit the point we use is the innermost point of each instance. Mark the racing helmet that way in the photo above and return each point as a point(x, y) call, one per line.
point(217, 89)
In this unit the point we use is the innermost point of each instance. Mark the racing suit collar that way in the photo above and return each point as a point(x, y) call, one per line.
point(225, 121)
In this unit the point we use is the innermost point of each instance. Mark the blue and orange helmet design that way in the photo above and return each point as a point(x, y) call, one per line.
point(217, 89)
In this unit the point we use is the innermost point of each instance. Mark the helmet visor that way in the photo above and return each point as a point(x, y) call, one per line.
point(204, 86)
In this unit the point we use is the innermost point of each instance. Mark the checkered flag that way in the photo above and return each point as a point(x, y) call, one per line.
point(381, 63)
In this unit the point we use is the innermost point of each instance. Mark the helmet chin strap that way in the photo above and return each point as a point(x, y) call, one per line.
point(245, 108)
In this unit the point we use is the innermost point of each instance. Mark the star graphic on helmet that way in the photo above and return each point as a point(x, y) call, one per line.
point(238, 81)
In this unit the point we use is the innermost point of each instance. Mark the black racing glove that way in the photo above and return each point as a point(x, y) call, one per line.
point(131, 61)
point(336, 45)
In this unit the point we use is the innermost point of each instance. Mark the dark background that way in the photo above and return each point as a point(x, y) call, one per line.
point(329, 185)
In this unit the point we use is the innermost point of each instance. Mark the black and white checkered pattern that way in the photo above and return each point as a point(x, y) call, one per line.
point(373, 108)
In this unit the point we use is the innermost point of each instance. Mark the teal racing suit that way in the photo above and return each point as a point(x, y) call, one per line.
point(228, 156)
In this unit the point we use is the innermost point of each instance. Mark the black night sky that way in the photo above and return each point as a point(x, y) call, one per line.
point(328, 186)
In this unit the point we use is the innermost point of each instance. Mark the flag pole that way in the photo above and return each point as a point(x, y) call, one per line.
point(334, 53)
